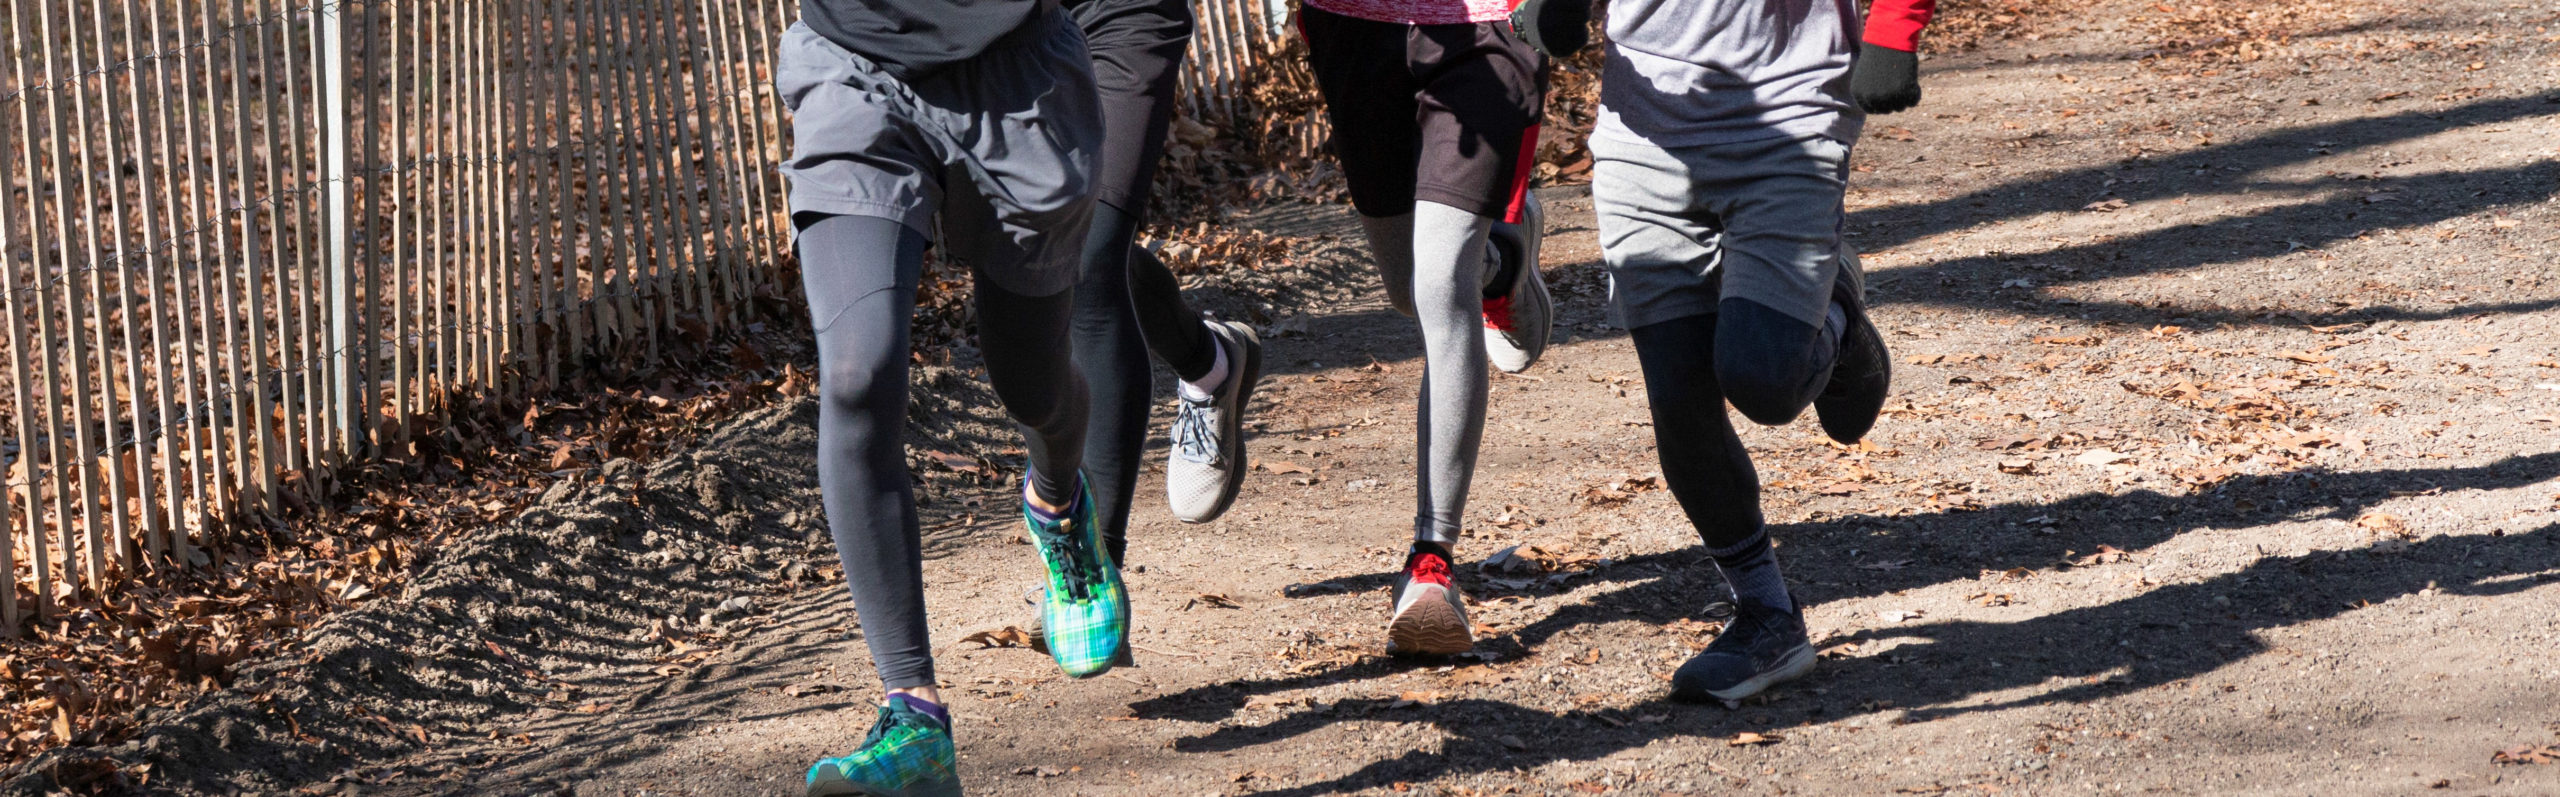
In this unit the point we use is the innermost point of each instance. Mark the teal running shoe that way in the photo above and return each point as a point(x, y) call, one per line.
point(1085, 616)
point(908, 754)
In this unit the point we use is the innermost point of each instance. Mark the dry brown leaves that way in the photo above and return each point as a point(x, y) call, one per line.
point(2253, 427)
point(338, 539)
point(2206, 34)
point(1967, 24)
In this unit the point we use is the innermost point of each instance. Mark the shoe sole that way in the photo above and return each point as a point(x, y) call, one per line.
point(1040, 644)
point(847, 789)
point(1233, 424)
point(1848, 419)
point(1429, 627)
point(1790, 667)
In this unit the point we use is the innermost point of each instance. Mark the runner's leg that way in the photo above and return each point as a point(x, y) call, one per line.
point(860, 273)
point(1448, 257)
point(1137, 50)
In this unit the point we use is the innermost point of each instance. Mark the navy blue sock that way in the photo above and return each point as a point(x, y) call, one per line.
point(1751, 568)
point(1032, 487)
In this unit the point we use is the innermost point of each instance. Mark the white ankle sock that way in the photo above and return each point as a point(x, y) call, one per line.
point(1208, 385)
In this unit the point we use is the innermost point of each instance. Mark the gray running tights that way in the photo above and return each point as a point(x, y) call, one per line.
point(1433, 266)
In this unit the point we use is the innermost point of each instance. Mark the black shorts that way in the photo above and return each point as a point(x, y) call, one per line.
point(1447, 113)
point(1137, 49)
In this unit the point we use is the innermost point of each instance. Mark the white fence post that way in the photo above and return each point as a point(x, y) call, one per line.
point(342, 367)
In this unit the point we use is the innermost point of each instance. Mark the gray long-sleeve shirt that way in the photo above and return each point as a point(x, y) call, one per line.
point(1691, 72)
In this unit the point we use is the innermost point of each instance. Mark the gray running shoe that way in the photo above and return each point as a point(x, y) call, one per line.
point(1207, 467)
point(1518, 323)
point(1430, 618)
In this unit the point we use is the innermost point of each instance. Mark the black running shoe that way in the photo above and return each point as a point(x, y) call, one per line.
point(1760, 647)
point(1863, 374)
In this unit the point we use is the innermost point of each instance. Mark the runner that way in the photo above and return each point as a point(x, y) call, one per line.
point(981, 114)
point(1128, 304)
point(1435, 107)
point(1720, 160)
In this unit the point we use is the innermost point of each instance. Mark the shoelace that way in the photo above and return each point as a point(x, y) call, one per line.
point(1749, 629)
point(1193, 436)
point(1497, 314)
point(880, 728)
point(1067, 555)
point(1428, 568)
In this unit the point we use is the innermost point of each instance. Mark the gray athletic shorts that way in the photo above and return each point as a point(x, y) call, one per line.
point(1002, 146)
point(1684, 228)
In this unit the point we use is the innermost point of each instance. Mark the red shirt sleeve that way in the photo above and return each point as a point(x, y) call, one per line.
point(1897, 23)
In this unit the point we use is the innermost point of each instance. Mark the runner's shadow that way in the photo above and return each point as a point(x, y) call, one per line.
point(2163, 636)
point(1865, 556)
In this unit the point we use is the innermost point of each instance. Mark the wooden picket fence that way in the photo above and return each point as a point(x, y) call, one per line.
point(242, 240)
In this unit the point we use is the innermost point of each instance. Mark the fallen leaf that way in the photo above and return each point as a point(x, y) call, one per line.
point(2105, 554)
point(1006, 637)
point(2386, 523)
point(2100, 456)
point(1212, 600)
point(1257, 702)
point(1747, 739)
point(1285, 467)
point(2069, 340)
point(2526, 755)
point(1899, 615)
point(2019, 466)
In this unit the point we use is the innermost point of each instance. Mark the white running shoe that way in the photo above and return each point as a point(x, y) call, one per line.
point(1207, 467)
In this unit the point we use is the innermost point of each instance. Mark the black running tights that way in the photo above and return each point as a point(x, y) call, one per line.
point(1765, 363)
point(1127, 303)
point(861, 274)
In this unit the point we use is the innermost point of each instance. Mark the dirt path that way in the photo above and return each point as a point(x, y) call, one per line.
point(2225, 458)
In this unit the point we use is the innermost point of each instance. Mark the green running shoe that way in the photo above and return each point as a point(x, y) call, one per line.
point(1085, 618)
point(908, 754)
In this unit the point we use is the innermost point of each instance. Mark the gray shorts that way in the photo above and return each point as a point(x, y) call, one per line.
point(1002, 146)
point(1686, 227)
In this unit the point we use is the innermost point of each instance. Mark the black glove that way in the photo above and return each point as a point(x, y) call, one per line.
point(1557, 28)
point(1885, 80)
